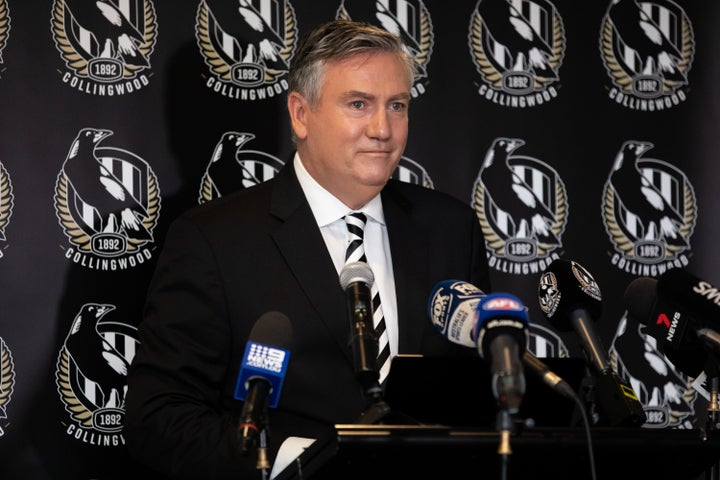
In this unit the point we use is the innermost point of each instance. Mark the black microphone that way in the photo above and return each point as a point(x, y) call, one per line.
point(261, 376)
point(551, 379)
point(501, 335)
point(679, 310)
point(570, 298)
point(356, 279)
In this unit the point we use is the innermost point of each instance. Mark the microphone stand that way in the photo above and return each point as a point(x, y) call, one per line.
point(263, 463)
point(504, 425)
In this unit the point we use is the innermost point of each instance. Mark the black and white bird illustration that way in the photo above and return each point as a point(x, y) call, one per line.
point(526, 49)
point(114, 207)
point(654, 378)
point(254, 39)
point(114, 35)
point(95, 358)
point(529, 217)
point(657, 219)
point(226, 170)
point(655, 54)
point(377, 13)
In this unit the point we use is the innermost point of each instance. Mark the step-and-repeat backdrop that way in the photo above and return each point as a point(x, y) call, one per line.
point(602, 115)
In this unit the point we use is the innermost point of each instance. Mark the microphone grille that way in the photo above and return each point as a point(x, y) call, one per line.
point(356, 272)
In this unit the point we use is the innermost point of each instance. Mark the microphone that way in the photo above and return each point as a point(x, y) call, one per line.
point(501, 335)
point(570, 298)
point(677, 310)
point(452, 309)
point(261, 374)
point(356, 279)
point(550, 378)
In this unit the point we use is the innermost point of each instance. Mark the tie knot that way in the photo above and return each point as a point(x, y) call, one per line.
point(355, 250)
point(357, 219)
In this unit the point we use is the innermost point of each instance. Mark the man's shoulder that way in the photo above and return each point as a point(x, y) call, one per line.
point(421, 195)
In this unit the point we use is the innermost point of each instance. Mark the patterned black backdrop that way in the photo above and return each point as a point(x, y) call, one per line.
point(195, 107)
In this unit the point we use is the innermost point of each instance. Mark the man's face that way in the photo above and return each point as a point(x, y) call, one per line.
point(354, 138)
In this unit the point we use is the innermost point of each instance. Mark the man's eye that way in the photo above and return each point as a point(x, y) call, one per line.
point(398, 106)
point(358, 104)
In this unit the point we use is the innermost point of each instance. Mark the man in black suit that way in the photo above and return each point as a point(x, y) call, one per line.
point(279, 246)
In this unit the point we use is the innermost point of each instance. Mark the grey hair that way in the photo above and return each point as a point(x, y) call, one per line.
point(338, 40)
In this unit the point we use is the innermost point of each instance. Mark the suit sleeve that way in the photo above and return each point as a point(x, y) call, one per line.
point(175, 420)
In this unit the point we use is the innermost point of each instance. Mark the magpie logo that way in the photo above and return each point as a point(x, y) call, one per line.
point(247, 45)
point(649, 211)
point(668, 396)
point(6, 203)
point(7, 382)
point(410, 171)
point(521, 203)
point(106, 45)
point(234, 167)
point(647, 48)
point(91, 374)
point(108, 201)
point(410, 19)
point(4, 29)
point(518, 48)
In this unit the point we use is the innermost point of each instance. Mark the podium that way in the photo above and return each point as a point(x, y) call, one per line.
point(379, 452)
point(442, 425)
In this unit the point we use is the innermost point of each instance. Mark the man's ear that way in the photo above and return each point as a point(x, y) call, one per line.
point(297, 108)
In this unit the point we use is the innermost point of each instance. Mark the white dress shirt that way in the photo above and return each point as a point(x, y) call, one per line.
point(329, 213)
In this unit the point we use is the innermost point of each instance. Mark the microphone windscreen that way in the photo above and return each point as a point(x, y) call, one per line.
point(566, 286)
point(639, 298)
point(272, 328)
point(501, 314)
point(266, 357)
point(451, 308)
point(698, 297)
point(356, 272)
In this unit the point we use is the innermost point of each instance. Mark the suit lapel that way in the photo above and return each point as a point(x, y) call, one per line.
point(406, 247)
point(301, 244)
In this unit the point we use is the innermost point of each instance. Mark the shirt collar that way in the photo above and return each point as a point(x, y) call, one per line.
point(325, 206)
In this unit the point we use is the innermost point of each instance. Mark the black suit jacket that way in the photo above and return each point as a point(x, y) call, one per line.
point(226, 263)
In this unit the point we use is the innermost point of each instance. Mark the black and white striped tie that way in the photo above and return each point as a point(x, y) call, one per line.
point(356, 253)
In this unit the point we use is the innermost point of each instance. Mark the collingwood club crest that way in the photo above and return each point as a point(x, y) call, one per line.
point(522, 207)
point(4, 29)
point(668, 396)
point(7, 382)
point(234, 167)
point(106, 44)
point(647, 48)
point(107, 200)
point(247, 45)
point(409, 19)
point(409, 171)
point(91, 374)
point(649, 211)
point(517, 47)
point(6, 204)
